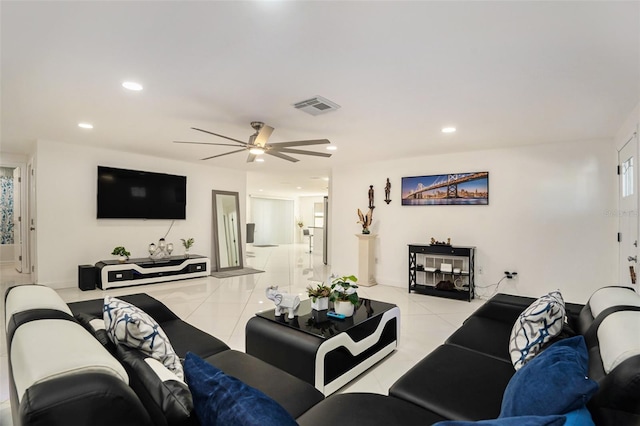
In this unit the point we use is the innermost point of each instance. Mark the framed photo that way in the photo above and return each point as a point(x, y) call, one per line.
point(450, 189)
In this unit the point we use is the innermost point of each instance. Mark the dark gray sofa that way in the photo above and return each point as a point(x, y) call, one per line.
point(463, 379)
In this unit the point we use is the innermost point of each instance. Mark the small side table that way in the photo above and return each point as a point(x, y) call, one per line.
point(366, 259)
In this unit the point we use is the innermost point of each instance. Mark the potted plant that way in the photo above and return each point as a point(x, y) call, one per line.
point(122, 252)
point(319, 296)
point(344, 294)
point(187, 245)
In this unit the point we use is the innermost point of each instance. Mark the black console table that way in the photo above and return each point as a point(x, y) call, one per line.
point(432, 265)
point(112, 273)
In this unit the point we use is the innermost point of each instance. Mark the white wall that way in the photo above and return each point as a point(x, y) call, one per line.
point(628, 127)
point(545, 219)
point(7, 253)
point(69, 233)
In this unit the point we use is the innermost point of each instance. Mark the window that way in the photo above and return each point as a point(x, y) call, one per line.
point(627, 177)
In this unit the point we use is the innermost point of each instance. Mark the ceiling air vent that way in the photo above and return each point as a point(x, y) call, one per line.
point(316, 106)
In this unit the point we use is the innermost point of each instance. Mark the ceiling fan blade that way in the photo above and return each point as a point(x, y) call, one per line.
point(299, 151)
point(226, 153)
point(206, 143)
point(251, 158)
point(284, 157)
point(301, 143)
point(220, 136)
point(263, 135)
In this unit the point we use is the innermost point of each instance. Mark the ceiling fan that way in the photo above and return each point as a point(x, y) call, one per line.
point(258, 145)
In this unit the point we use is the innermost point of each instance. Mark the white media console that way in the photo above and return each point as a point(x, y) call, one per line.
point(112, 273)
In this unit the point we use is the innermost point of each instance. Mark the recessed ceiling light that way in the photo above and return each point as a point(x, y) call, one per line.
point(332, 148)
point(85, 125)
point(132, 85)
point(298, 187)
point(325, 178)
point(260, 190)
point(448, 129)
point(260, 160)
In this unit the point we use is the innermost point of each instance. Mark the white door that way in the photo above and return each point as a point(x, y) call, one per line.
point(31, 225)
point(628, 213)
point(17, 219)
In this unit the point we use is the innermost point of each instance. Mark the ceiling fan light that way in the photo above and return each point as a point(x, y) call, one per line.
point(331, 148)
point(132, 85)
point(256, 151)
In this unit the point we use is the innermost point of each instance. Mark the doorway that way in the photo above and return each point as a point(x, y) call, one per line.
point(13, 246)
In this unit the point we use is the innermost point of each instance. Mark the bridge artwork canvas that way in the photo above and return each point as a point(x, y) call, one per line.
point(449, 189)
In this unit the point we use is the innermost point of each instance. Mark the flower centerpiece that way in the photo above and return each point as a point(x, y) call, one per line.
point(319, 296)
point(122, 253)
point(344, 294)
point(187, 245)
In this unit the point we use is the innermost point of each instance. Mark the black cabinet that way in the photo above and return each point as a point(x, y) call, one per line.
point(441, 270)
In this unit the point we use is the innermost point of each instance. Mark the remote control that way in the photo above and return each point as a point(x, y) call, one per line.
point(335, 315)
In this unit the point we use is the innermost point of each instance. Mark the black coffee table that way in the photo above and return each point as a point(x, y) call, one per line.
point(326, 352)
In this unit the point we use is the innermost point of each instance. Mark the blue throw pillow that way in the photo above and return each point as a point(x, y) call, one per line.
point(554, 382)
point(223, 400)
point(510, 421)
point(579, 417)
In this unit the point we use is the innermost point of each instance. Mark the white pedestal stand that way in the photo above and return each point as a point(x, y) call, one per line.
point(366, 259)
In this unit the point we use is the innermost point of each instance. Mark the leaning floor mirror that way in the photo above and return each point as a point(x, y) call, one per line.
point(227, 240)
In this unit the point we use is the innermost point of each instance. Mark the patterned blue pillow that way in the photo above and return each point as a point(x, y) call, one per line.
point(554, 382)
point(535, 326)
point(131, 326)
point(223, 400)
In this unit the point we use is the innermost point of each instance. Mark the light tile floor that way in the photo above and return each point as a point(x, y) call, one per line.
point(222, 307)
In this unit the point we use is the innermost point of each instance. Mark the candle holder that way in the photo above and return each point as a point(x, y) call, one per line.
point(160, 251)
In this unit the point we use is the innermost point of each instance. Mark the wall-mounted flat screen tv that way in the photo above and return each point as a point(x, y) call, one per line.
point(135, 194)
point(450, 189)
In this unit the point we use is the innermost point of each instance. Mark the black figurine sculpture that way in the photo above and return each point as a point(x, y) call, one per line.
point(387, 192)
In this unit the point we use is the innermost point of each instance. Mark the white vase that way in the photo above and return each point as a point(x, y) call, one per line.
point(321, 303)
point(344, 308)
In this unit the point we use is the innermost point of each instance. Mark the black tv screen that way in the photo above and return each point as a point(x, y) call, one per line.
point(134, 194)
